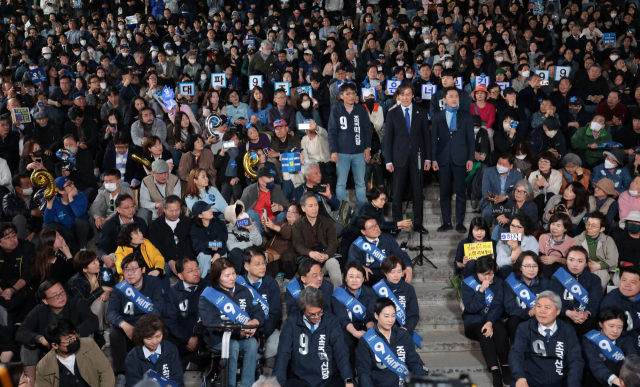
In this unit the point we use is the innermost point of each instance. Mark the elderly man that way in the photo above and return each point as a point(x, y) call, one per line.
point(305, 65)
point(314, 236)
point(155, 188)
point(629, 373)
point(613, 110)
point(281, 110)
point(266, 196)
point(592, 89)
point(329, 201)
point(316, 359)
point(148, 125)
point(170, 233)
point(546, 351)
point(260, 63)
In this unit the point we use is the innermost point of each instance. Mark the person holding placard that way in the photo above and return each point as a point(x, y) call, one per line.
point(520, 289)
point(478, 233)
point(512, 243)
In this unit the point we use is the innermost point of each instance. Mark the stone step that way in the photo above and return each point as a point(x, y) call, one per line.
point(447, 316)
point(436, 340)
point(470, 362)
point(431, 293)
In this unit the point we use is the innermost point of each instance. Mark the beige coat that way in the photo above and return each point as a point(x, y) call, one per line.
point(318, 149)
point(555, 182)
point(94, 367)
point(606, 250)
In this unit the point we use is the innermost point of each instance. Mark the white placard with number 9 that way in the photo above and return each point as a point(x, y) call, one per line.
point(543, 74)
point(561, 72)
point(255, 80)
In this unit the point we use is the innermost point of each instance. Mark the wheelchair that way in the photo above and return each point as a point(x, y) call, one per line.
point(217, 373)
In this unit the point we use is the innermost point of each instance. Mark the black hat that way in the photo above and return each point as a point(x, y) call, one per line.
point(199, 207)
point(477, 120)
point(551, 123)
point(575, 101)
point(264, 172)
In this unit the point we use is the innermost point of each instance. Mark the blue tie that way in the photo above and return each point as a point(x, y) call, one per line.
point(153, 357)
point(548, 335)
point(453, 126)
point(407, 119)
point(312, 329)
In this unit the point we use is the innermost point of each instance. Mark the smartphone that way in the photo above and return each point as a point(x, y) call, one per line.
point(215, 244)
point(243, 222)
point(490, 195)
point(304, 126)
point(514, 124)
point(228, 144)
point(264, 214)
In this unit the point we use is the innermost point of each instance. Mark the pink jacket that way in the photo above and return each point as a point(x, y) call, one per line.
point(627, 204)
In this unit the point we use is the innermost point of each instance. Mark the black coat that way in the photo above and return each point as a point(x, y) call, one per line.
point(452, 147)
point(83, 177)
point(49, 137)
point(399, 138)
point(164, 239)
point(133, 169)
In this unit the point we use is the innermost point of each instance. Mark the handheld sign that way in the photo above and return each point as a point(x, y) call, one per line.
point(482, 80)
point(428, 90)
point(305, 89)
point(510, 236)
point(20, 115)
point(374, 83)
point(251, 40)
point(37, 75)
point(243, 222)
point(538, 7)
point(544, 76)
point(362, 90)
point(291, 162)
point(459, 84)
point(561, 72)
point(215, 244)
point(219, 79)
point(255, 80)
point(161, 380)
point(132, 20)
point(477, 250)
point(392, 86)
point(228, 144)
point(503, 85)
point(187, 88)
point(77, 4)
point(610, 38)
point(286, 86)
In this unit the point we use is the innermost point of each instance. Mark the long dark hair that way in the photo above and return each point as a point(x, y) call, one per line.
point(581, 200)
point(40, 266)
point(177, 126)
point(479, 222)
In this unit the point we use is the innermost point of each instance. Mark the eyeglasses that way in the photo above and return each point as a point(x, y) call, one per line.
point(521, 192)
point(315, 315)
point(592, 225)
point(131, 270)
point(382, 198)
point(373, 227)
point(517, 227)
point(57, 296)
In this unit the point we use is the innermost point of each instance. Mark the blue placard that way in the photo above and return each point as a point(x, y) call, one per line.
point(219, 79)
point(561, 72)
point(243, 222)
point(161, 380)
point(305, 89)
point(459, 83)
point(538, 7)
point(187, 88)
point(38, 75)
point(428, 90)
point(503, 85)
point(291, 162)
point(480, 80)
point(510, 236)
point(610, 38)
point(215, 244)
point(286, 86)
point(255, 80)
point(251, 40)
point(392, 86)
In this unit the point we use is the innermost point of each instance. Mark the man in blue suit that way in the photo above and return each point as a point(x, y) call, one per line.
point(453, 152)
point(500, 180)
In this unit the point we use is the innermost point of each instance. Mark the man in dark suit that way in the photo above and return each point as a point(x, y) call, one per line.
point(119, 157)
point(453, 149)
point(407, 129)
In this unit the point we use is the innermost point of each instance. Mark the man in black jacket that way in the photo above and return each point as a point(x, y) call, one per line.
point(20, 208)
point(54, 307)
point(15, 256)
point(170, 233)
point(126, 210)
point(83, 177)
point(132, 171)
point(85, 130)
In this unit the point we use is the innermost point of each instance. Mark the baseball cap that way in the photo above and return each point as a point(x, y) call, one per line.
point(61, 181)
point(160, 166)
point(199, 207)
point(308, 52)
point(575, 101)
point(279, 122)
point(264, 172)
point(478, 54)
point(46, 50)
point(367, 93)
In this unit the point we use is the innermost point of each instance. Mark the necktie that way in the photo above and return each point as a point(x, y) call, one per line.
point(312, 329)
point(407, 119)
point(153, 358)
point(192, 289)
point(453, 126)
point(548, 335)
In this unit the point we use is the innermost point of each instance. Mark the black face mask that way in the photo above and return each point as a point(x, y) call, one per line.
point(74, 347)
point(369, 102)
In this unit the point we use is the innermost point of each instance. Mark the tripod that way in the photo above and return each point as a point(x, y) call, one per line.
point(421, 257)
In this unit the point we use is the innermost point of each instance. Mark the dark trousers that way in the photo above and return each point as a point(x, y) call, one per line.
point(352, 344)
point(228, 191)
point(399, 184)
point(121, 345)
point(236, 256)
point(452, 176)
point(512, 325)
point(541, 201)
point(77, 236)
point(187, 357)
point(295, 382)
point(493, 348)
point(582, 329)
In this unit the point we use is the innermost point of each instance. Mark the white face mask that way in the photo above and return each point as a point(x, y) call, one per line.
point(379, 68)
point(400, 62)
point(445, 41)
point(154, 54)
point(113, 34)
point(312, 37)
point(90, 51)
point(448, 64)
point(499, 59)
point(502, 169)
point(178, 43)
point(103, 85)
point(613, 15)
point(595, 127)
point(521, 157)
point(121, 27)
point(83, 42)
point(192, 61)
point(305, 104)
point(412, 33)
point(613, 57)
point(47, 56)
point(129, 36)
point(475, 131)
point(552, 133)
point(609, 165)
point(526, 73)
point(506, 127)
point(427, 41)
point(110, 186)
point(274, 29)
point(203, 77)
point(124, 54)
point(169, 52)
point(633, 193)
point(305, 45)
point(267, 52)
point(292, 26)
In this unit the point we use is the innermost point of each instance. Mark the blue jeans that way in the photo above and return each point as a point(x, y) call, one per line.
point(357, 165)
point(176, 155)
point(250, 348)
point(255, 218)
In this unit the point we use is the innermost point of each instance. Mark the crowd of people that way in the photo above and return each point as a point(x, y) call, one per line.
point(160, 137)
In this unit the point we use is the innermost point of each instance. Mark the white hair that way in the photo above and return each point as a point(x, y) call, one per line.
point(306, 167)
point(551, 296)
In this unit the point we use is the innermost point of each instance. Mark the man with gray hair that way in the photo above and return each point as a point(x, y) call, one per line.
point(630, 372)
point(314, 236)
point(313, 343)
point(328, 200)
point(261, 61)
point(548, 347)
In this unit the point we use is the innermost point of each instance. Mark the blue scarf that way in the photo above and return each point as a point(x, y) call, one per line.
point(393, 286)
point(567, 176)
point(454, 119)
point(232, 167)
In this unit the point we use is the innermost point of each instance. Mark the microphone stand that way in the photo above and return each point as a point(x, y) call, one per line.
point(421, 257)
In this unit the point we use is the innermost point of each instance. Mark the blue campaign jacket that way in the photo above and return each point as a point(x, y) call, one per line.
point(119, 304)
point(513, 306)
point(630, 308)
point(475, 308)
point(344, 135)
point(388, 245)
point(327, 290)
point(373, 373)
point(589, 281)
point(406, 295)
point(182, 310)
point(167, 365)
point(315, 357)
point(270, 291)
point(599, 365)
point(367, 298)
point(67, 213)
point(557, 363)
point(211, 315)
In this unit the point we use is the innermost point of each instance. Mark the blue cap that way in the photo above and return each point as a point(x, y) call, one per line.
point(478, 54)
point(632, 30)
point(61, 181)
point(394, 24)
point(369, 28)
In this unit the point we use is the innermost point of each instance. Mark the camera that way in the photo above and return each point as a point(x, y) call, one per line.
point(318, 189)
point(560, 208)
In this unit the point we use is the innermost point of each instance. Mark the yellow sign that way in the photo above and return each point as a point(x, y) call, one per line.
point(477, 250)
